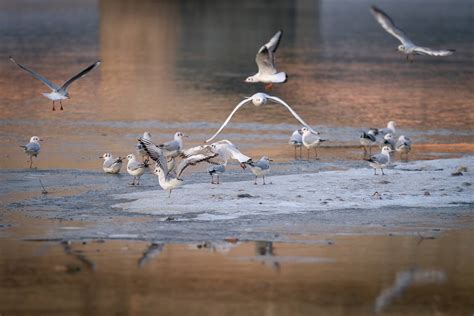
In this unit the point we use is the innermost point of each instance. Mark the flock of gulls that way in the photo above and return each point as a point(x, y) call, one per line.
point(170, 159)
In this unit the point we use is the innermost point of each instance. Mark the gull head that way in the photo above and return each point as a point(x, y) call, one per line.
point(131, 157)
point(300, 131)
point(147, 135)
point(306, 130)
point(391, 125)
point(266, 159)
point(158, 171)
point(386, 150)
point(179, 135)
point(388, 136)
point(106, 156)
point(250, 79)
point(259, 99)
point(35, 139)
point(401, 48)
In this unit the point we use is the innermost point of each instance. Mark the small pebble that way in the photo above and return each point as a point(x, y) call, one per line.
point(427, 193)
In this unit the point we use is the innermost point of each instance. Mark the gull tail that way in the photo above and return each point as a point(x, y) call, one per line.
point(280, 77)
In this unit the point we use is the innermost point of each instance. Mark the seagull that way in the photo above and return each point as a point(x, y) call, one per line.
point(311, 140)
point(217, 154)
point(367, 139)
point(32, 149)
point(135, 168)
point(407, 47)
point(296, 140)
point(58, 93)
point(260, 168)
point(259, 99)
point(403, 145)
point(174, 147)
point(389, 140)
point(389, 129)
point(140, 150)
point(111, 164)
point(166, 177)
point(379, 161)
point(167, 182)
point(265, 59)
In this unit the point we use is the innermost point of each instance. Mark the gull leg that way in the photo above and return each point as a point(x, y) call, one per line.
point(370, 150)
point(263, 179)
point(61, 102)
point(218, 179)
point(31, 161)
point(133, 182)
point(365, 150)
point(301, 152)
point(307, 150)
point(315, 154)
point(269, 87)
point(382, 171)
point(53, 109)
point(138, 180)
point(255, 183)
point(212, 179)
point(375, 171)
point(169, 195)
point(295, 152)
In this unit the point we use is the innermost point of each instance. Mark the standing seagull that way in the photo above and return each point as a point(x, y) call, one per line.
point(136, 168)
point(311, 140)
point(58, 93)
point(111, 165)
point(260, 168)
point(173, 148)
point(296, 140)
point(265, 59)
point(32, 149)
point(407, 47)
point(367, 139)
point(389, 129)
point(260, 99)
point(403, 145)
point(379, 161)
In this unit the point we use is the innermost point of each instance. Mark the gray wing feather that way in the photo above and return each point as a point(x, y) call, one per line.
point(432, 52)
point(32, 148)
point(192, 161)
point(262, 164)
point(379, 158)
point(79, 75)
point(155, 153)
point(386, 22)
point(51, 85)
point(170, 146)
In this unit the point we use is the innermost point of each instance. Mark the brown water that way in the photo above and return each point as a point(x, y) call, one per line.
point(324, 275)
point(167, 67)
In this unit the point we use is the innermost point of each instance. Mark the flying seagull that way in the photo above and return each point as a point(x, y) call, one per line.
point(265, 59)
point(260, 99)
point(407, 47)
point(58, 93)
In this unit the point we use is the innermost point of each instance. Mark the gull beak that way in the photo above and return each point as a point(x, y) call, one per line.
point(270, 160)
point(100, 157)
point(41, 140)
point(242, 165)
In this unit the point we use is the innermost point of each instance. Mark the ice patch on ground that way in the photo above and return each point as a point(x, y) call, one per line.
point(416, 184)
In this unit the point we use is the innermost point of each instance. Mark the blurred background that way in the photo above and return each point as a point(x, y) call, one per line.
point(180, 65)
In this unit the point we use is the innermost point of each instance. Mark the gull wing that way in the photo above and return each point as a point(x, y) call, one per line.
point(155, 153)
point(278, 100)
point(432, 52)
point(379, 158)
point(79, 75)
point(51, 85)
point(228, 118)
point(194, 160)
point(387, 23)
point(265, 58)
